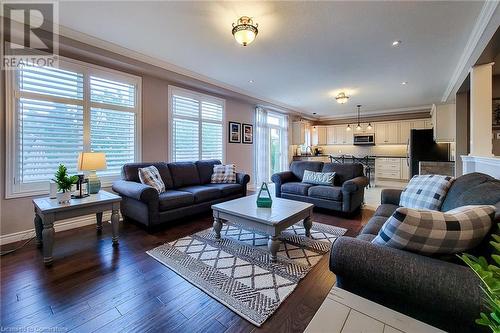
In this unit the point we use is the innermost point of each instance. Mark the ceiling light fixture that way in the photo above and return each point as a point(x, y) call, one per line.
point(245, 30)
point(396, 43)
point(369, 127)
point(342, 98)
point(348, 127)
point(404, 83)
point(250, 81)
point(358, 128)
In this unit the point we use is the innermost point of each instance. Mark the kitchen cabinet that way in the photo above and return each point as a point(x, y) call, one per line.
point(330, 135)
point(443, 122)
point(319, 136)
point(387, 133)
point(405, 126)
point(388, 167)
point(338, 135)
point(298, 133)
point(405, 169)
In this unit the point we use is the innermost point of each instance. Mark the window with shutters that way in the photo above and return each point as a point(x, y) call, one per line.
point(55, 113)
point(196, 124)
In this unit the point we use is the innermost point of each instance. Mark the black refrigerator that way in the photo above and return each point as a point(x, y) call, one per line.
point(422, 147)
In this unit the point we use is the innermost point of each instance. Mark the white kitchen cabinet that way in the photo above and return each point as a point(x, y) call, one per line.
point(443, 122)
point(298, 133)
point(330, 135)
point(420, 123)
point(338, 135)
point(320, 135)
point(388, 167)
point(405, 127)
point(405, 169)
point(379, 133)
point(387, 133)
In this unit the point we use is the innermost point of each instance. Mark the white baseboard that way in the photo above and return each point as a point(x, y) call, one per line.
point(58, 226)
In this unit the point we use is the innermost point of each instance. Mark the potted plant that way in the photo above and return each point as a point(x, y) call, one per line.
point(64, 183)
point(489, 274)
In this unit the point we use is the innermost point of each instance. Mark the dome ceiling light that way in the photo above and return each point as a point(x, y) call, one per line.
point(245, 30)
point(342, 98)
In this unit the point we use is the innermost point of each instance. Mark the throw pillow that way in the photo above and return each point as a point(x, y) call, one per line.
point(431, 232)
point(151, 176)
point(318, 178)
point(425, 192)
point(224, 174)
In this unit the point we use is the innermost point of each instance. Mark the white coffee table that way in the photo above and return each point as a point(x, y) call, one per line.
point(270, 221)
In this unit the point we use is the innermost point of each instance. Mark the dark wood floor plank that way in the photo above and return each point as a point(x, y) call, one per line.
point(93, 286)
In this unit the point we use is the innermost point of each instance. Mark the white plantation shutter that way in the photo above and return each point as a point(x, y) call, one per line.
point(197, 126)
point(53, 117)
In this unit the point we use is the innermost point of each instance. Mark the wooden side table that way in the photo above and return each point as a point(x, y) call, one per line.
point(47, 211)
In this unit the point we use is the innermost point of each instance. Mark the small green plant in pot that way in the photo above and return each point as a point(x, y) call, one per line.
point(489, 273)
point(64, 183)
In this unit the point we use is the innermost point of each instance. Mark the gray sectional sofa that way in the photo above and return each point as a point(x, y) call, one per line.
point(189, 191)
point(437, 290)
point(346, 195)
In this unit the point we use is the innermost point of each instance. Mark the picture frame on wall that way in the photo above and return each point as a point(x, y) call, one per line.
point(247, 134)
point(234, 132)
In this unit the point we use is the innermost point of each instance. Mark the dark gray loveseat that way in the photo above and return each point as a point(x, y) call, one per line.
point(346, 195)
point(189, 191)
point(440, 291)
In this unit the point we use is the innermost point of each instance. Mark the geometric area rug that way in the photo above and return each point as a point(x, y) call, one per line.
point(237, 270)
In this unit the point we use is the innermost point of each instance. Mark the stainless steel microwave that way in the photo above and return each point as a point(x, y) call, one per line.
point(364, 139)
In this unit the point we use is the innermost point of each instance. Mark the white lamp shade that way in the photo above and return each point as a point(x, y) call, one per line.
point(91, 161)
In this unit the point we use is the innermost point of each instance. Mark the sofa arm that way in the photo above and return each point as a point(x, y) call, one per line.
point(281, 178)
point(352, 185)
point(439, 287)
point(390, 196)
point(242, 178)
point(135, 190)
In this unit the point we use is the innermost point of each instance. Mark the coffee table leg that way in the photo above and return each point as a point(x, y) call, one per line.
point(308, 225)
point(115, 224)
point(98, 217)
point(48, 233)
point(38, 230)
point(217, 227)
point(274, 245)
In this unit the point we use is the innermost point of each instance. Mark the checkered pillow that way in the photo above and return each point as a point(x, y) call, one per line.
point(431, 232)
point(425, 192)
point(151, 176)
point(224, 174)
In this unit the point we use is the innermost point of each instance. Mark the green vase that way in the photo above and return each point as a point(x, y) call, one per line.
point(264, 197)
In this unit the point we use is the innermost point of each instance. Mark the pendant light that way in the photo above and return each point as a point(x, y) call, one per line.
point(358, 128)
point(348, 127)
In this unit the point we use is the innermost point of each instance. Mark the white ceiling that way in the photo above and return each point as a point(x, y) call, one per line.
point(305, 52)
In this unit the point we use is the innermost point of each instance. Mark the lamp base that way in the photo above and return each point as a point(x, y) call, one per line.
point(94, 184)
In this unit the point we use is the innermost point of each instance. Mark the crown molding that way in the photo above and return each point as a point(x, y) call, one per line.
point(476, 39)
point(111, 47)
point(379, 112)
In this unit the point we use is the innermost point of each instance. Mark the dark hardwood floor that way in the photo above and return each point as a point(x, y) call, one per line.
point(95, 287)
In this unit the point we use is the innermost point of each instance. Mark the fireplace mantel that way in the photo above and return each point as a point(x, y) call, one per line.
point(487, 165)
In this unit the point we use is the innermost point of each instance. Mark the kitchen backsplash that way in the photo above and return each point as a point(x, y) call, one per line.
point(389, 150)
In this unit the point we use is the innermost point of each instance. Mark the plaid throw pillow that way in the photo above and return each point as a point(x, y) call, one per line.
point(431, 232)
point(224, 174)
point(425, 192)
point(151, 176)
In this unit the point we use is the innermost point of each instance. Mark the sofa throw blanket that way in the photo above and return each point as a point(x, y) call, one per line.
point(318, 178)
point(425, 192)
point(432, 232)
point(224, 174)
point(151, 176)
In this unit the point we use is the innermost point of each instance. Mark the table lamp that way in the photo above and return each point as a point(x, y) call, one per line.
point(92, 162)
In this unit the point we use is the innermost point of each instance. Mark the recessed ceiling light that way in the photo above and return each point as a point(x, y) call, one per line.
point(314, 112)
point(250, 81)
point(396, 43)
point(404, 83)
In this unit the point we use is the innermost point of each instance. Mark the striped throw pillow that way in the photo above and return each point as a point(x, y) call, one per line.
point(224, 174)
point(151, 176)
point(432, 232)
point(425, 192)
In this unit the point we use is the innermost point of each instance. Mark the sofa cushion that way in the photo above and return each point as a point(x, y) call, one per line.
point(202, 192)
point(425, 192)
point(374, 224)
point(295, 188)
point(366, 237)
point(326, 192)
point(227, 189)
point(433, 232)
point(385, 210)
point(205, 169)
point(298, 167)
point(344, 171)
point(172, 199)
point(130, 172)
point(151, 176)
point(482, 190)
point(184, 174)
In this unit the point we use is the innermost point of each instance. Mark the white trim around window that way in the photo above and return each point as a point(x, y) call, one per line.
point(199, 119)
point(108, 110)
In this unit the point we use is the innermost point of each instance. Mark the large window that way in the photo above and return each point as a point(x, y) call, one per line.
point(53, 114)
point(196, 124)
